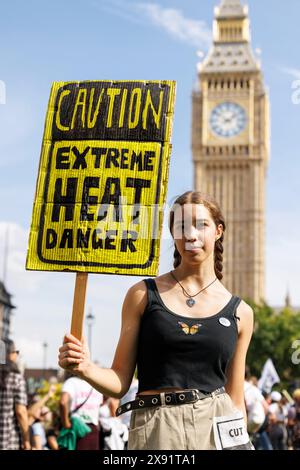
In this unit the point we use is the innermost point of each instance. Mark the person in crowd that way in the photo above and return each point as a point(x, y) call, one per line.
point(37, 429)
point(14, 426)
point(114, 431)
point(294, 420)
point(52, 431)
point(257, 410)
point(80, 399)
point(39, 416)
point(277, 422)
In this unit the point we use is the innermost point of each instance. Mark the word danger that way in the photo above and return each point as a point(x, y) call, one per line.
point(91, 239)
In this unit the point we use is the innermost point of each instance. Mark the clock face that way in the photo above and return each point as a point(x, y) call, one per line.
point(228, 119)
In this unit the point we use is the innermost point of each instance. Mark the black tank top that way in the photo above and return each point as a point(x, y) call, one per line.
point(176, 351)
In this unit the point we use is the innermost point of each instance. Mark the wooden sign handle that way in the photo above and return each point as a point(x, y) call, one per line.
point(78, 305)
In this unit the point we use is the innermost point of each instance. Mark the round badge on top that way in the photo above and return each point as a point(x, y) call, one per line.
point(224, 321)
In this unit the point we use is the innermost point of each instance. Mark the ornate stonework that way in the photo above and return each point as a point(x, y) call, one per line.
point(230, 145)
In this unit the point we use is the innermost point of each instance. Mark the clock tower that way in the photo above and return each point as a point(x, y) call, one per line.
point(230, 145)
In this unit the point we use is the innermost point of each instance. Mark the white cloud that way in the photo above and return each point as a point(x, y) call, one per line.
point(295, 73)
point(193, 32)
point(16, 238)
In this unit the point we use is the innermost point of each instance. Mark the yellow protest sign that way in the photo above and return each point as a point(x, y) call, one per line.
point(103, 177)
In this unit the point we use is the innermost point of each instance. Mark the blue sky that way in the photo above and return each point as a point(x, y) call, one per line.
point(43, 41)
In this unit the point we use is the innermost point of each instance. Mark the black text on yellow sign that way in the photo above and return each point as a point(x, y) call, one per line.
point(103, 178)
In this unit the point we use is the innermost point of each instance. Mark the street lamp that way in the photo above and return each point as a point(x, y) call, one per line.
point(45, 346)
point(90, 318)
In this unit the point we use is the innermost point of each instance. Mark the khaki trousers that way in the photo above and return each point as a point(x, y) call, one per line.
point(188, 427)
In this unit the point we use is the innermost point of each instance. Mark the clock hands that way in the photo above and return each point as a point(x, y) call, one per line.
point(228, 119)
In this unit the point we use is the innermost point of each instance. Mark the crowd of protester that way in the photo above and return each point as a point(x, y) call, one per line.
point(86, 420)
point(273, 418)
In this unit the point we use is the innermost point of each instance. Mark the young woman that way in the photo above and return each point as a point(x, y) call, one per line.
point(188, 336)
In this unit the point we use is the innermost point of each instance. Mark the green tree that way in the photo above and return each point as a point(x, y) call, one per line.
point(53, 402)
point(273, 337)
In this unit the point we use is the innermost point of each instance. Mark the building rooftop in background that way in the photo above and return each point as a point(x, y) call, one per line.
point(5, 312)
point(287, 304)
point(231, 9)
point(41, 374)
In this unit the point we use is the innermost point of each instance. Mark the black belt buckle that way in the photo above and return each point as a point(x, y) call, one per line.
point(197, 394)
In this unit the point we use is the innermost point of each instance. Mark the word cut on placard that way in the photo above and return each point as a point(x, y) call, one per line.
point(103, 177)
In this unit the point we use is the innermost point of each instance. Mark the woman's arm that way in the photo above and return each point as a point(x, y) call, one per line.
point(115, 382)
point(52, 442)
point(36, 442)
point(22, 417)
point(64, 409)
point(35, 408)
point(236, 368)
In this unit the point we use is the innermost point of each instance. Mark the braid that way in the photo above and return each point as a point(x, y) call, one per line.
point(177, 258)
point(218, 257)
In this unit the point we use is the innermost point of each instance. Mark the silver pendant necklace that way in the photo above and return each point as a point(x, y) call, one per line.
point(190, 301)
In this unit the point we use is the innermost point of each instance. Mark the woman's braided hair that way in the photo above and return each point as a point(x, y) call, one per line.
point(196, 197)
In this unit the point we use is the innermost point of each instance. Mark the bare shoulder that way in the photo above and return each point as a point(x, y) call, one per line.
point(163, 278)
point(245, 310)
point(246, 315)
point(136, 298)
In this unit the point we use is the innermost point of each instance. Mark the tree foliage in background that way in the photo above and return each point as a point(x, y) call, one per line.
point(273, 337)
point(53, 402)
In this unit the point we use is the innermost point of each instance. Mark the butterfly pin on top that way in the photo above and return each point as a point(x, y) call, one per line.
point(189, 330)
